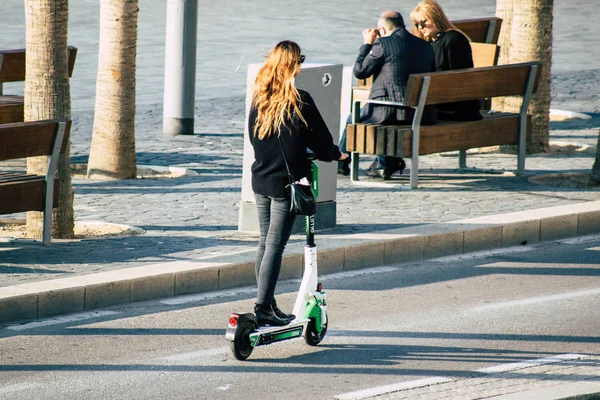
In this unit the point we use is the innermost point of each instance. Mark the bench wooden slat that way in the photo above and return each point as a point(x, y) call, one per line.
point(484, 54)
point(477, 29)
point(470, 84)
point(12, 109)
point(10, 177)
point(13, 65)
point(495, 129)
point(25, 196)
point(19, 140)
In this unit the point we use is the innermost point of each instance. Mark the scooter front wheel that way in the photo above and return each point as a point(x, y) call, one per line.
point(241, 346)
point(312, 336)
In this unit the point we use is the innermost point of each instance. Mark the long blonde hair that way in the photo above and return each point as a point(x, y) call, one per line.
point(275, 97)
point(431, 11)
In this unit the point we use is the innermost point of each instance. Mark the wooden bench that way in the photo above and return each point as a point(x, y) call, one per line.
point(445, 87)
point(12, 69)
point(20, 191)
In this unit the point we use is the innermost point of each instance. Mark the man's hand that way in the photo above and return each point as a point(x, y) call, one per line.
point(369, 35)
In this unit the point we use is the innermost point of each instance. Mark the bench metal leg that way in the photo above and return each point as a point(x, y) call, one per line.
point(414, 171)
point(49, 192)
point(354, 167)
point(523, 120)
point(462, 159)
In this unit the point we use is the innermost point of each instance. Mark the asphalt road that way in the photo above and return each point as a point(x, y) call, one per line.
point(387, 325)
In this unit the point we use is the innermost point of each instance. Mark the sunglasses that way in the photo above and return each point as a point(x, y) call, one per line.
point(302, 58)
point(421, 24)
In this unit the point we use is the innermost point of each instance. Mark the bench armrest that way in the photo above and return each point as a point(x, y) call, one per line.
point(382, 102)
point(356, 106)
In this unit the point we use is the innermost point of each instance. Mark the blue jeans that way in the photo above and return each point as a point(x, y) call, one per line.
point(276, 222)
point(380, 161)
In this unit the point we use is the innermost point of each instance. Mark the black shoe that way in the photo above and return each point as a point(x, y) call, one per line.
point(266, 317)
point(387, 172)
point(280, 313)
point(344, 167)
point(393, 167)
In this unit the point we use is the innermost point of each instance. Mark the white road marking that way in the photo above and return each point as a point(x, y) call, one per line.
point(578, 240)
point(196, 354)
point(18, 387)
point(359, 272)
point(61, 320)
point(224, 387)
point(536, 300)
point(192, 298)
point(530, 363)
point(396, 387)
point(436, 380)
point(484, 253)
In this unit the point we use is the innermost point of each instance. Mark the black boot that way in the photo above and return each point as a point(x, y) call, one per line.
point(266, 316)
point(280, 313)
point(344, 166)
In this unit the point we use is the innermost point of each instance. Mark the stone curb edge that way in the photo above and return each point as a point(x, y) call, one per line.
point(335, 254)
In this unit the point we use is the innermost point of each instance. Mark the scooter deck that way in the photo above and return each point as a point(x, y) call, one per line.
point(270, 334)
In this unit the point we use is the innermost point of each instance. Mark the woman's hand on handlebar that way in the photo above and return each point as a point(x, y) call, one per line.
point(343, 157)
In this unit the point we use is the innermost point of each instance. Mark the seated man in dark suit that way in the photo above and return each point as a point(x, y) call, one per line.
point(390, 54)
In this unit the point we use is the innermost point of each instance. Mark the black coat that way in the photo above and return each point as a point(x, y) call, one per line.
point(269, 174)
point(390, 60)
point(453, 51)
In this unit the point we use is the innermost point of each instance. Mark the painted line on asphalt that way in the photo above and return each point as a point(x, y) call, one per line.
point(537, 300)
point(436, 380)
point(484, 253)
point(18, 387)
point(530, 363)
point(194, 355)
point(360, 272)
point(396, 387)
point(193, 298)
point(61, 320)
point(579, 240)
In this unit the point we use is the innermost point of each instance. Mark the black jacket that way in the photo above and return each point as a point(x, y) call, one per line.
point(453, 51)
point(391, 59)
point(269, 174)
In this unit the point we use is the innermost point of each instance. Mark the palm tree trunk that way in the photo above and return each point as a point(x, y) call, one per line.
point(527, 36)
point(596, 168)
point(112, 153)
point(47, 96)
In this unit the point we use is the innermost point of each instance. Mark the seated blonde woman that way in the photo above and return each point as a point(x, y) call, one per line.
point(452, 51)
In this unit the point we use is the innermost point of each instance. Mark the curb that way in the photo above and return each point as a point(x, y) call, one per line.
point(335, 254)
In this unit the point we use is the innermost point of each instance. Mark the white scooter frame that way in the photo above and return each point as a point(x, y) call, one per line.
point(310, 308)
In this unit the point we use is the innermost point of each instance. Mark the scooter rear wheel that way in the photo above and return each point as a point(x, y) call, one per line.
point(312, 336)
point(241, 346)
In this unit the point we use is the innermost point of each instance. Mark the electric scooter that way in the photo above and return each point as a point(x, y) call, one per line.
point(310, 308)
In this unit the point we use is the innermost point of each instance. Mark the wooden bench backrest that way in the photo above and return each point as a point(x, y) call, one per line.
point(13, 64)
point(480, 30)
point(29, 139)
point(469, 84)
point(485, 54)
